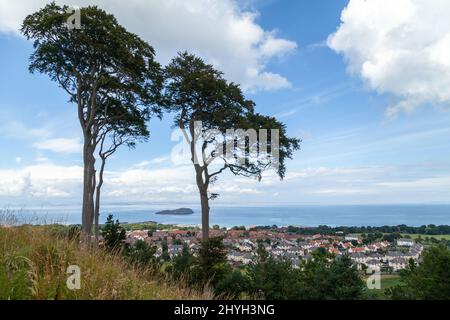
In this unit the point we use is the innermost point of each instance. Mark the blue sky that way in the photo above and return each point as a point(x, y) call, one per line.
point(374, 125)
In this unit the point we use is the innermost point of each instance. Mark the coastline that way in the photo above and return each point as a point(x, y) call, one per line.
point(302, 216)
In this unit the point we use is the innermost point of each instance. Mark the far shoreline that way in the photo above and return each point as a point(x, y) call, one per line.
point(304, 216)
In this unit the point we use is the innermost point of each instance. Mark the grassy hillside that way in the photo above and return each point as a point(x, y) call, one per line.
point(33, 264)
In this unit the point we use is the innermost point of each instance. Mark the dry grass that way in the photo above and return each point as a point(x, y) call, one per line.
point(33, 264)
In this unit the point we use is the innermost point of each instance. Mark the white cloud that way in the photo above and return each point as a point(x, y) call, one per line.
point(155, 161)
point(41, 138)
point(423, 184)
point(219, 30)
point(168, 184)
point(43, 181)
point(41, 159)
point(47, 182)
point(19, 131)
point(60, 145)
point(399, 47)
point(347, 192)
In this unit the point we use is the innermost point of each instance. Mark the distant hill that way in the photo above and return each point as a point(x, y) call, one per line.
point(177, 212)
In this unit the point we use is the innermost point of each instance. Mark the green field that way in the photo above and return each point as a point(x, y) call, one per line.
point(415, 236)
point(387, 281)
point(438, 237)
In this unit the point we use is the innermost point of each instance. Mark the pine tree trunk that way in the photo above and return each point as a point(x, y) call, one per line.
point(205, 214)
point(88, 192)
point(97, 216)
point(97, 201)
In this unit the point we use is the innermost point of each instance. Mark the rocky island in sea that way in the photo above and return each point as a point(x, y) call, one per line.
point(177, 212)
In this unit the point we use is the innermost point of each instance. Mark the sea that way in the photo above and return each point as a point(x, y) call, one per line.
point(229, 216)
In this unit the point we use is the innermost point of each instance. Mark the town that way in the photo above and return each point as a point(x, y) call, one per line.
point(242, 244)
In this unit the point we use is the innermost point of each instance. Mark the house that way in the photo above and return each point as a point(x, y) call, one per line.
point(305, 246)
point(398, 264)
point(334, 250)
point(277, 252)
point(216, 233)
point(138, 234)
point(295, 260)
point(234, 234)
point(391, 255)
point(194, 247)
point(351, 237)
point(296, 251)
point(133, 236)
point(356, 250)
point(245, 247)
point(376, 256)
point(373, 247)
point(405, 242)
point(178, 234)
point(239, 257)
point(247, 241)
point(284, 246)
point(373, 264)
point(359, 258)
point(174, 250)
point(415, 251)
point(346, 245)
point(157, 235)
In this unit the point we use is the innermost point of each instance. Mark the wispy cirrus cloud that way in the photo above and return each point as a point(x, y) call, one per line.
point(155, 161)
point(315, 98)
point(17, 130)
point(60, 145)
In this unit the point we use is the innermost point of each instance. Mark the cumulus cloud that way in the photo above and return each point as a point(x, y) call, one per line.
point(309, 185)
point(399, 47)
point(47, 182)
point(219, 30)
point(44, 181)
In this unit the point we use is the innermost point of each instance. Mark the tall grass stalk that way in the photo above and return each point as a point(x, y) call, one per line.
point(34, 261)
